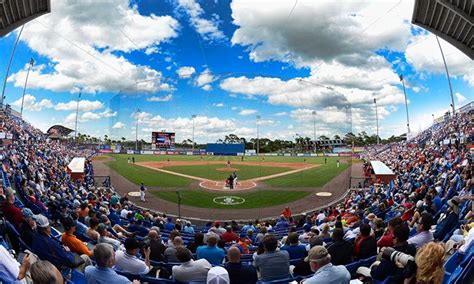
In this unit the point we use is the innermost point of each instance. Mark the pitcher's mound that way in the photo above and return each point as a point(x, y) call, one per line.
point(231, 170)
point(218, 185)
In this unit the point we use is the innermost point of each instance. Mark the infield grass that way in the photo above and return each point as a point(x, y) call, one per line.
point(258, 199)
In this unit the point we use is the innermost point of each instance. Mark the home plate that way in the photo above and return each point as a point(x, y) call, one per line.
point(134, 193)
point(326, 194)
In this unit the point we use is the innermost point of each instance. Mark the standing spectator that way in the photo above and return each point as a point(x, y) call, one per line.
point(211, 252)
point(324, 272)
point(340, 249)
point(127, 261)
point(239, 273)
point(102, 272)
point(294, 249)
point(190, 270)
point(272, 264)
point(423, 233)
point(365, 244)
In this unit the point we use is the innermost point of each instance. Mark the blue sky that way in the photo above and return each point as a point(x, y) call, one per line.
point(227, 62)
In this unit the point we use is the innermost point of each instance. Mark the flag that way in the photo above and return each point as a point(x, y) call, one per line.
point(401, 77)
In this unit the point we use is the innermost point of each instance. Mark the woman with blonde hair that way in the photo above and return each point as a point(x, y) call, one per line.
point(429, 261)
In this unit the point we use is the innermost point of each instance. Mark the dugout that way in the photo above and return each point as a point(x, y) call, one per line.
point(76, 168)
point(220, 149)
point(382, 173)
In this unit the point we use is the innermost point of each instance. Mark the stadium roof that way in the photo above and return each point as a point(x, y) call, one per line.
point(14, 13)
point(58, 131)
point(451, 20)
point(380, 168)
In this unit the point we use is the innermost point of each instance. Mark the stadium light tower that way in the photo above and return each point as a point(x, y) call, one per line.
point(77, 112)
point(258, 134)
point(377, 120)
point(136, 129)
point(406, 104)
point(433, 118)
point(26, 82)
point(447, 75)
point(314, 129)
point(193, 117)
point(9, 65)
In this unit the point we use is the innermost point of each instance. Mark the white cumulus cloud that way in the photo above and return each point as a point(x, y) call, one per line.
point(248, 112)
point(30, 103)
point(185, 71)
point(118, 125)
point(166, 98)
point(208, 29)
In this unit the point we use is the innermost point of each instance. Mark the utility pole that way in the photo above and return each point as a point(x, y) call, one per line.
point(406, 105)
point(447, 75)
point(9, 65)
point(377, 120)
point(77, 113)
point(314, 129)
point(258, 134)
point(193, 117)
point(136, 130)
point(26, 82)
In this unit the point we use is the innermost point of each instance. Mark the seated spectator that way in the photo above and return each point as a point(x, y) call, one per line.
point(423, 233)
point(47, 248)
point(81, 229)
point(188, 228)
point(92, 231)
point(450, 221)
point(365, 245)
point(43, 272)
point(138, 228)
point(325, 231)
point(388, 268)
point(198, 241)
point(324, 272)
point(211, 252)
point(272, 264)
point(105, 237)
point(217, 275)
point(260, 235)
point(247, 227)
point(10, 269)
point(229, 236)
point(190, 270)
point(102, 272)
point(244, 243)
point(340, 249)
point(387, 239)
point(71, 241)
point(302, 268)
point(127, 261)
point(27, 226)
point(169, 225)
point(294, 249)
point(286, 212)
point(429, 261)
point(12, 213)
point(157, 248)
point(169, 255)
point(379, 228)
point(238, 272)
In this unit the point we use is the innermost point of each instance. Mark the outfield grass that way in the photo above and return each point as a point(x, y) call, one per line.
point(244, 171)
point(264, 198)
point(315, 177)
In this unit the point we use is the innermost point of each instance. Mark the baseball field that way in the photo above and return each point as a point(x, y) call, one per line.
point(262, 181)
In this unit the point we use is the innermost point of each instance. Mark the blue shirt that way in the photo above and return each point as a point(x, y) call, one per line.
point(169, 226)
point(81, 229)
point(98, 275)
point(50, 249)
point(295, 251)
point(330, 274)
point(214, 254)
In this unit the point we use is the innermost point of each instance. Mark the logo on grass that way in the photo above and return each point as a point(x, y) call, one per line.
point(229, 200)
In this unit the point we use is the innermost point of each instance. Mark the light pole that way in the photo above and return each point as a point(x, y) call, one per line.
point(136, 130)
point(314, 129)
point(447, 74)
point(9, 65)
point(433, 118)
point(377, 120)
point(193, 117)
point(406, 104)
point(258, 134)
point(77, 113)
point(26, 82)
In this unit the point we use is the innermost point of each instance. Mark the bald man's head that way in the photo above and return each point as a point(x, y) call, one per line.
point(178, 242)
point(153, 235)
point(234, 255)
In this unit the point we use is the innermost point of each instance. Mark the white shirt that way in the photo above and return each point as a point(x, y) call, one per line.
point(9, 267)
point(124, 213)
point(321, 217)
point(131, 264)
point(192, 271)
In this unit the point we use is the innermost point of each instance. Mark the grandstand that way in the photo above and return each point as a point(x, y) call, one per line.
point(410, 219)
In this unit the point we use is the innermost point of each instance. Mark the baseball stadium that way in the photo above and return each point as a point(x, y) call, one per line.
point(237, 142)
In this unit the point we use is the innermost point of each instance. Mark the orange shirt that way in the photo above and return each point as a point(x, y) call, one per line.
point(244, 245)
point(75, 245)
point(286, 213)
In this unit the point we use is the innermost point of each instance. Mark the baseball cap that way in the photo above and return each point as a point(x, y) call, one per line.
point(102, 227)
point(218, 275)
point(317, 252)
point(27, 213)
point(133, 243)
point(41, 220)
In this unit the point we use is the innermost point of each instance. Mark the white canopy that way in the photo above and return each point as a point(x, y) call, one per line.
point(77, 165)
point(381, 169)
